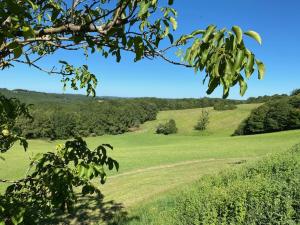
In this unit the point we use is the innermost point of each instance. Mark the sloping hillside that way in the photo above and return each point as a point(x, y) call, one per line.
point(221, 122)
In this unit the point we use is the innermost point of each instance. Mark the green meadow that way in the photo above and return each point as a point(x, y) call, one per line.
point(152, 166)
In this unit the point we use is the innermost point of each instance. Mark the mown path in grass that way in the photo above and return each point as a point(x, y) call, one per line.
point(143, 184)
point(151, 164)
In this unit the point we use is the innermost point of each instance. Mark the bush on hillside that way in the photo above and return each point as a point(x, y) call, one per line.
point(221, 106)
point(167, 128)
point(279, 115)
point(265, 193)
point(203, 121)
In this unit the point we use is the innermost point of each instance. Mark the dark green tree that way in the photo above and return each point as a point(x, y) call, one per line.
point(203, 121)
point(283, 114)
point(295, 92)
point(167, 128)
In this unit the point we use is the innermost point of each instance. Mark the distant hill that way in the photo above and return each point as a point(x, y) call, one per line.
point(35, 97)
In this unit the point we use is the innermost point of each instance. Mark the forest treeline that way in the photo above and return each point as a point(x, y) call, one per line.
point(61, 116)
point(277, 115)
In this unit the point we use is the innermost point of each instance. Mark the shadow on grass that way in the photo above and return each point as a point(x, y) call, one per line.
point(92, 210)
point(238, 162)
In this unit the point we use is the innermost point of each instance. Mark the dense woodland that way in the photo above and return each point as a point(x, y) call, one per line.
point(277, 115)
point(61, 116)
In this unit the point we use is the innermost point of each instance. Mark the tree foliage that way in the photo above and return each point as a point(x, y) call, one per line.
point(53, 181)
point(34, 29)
point(65, 116)
point(295, 92)
point(221, 106)
point(203, 121)
point(266, 98)
point(56, 121)
point(52, 177)
point(272, 116)
point(10, 110)
point(167, 128)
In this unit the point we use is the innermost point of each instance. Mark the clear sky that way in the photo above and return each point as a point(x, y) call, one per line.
point(277, 21)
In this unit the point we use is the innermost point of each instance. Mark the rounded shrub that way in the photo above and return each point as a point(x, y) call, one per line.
point(167, 128)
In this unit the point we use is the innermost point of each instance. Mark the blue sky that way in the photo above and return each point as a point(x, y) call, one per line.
point(277, 21)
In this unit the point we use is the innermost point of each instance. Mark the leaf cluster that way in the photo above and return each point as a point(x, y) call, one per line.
point(53, 182)
point(34, 29)
point(10, 110)
point(223, 56)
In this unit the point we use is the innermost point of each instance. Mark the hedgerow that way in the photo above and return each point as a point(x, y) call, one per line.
point(265, 193)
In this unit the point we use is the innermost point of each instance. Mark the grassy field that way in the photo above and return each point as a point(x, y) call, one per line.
point(152, 165)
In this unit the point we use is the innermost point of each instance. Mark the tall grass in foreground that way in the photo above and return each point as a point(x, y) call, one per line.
point(267, 192)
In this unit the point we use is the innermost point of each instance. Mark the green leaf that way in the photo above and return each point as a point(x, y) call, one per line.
point(243, 86)
point(143, 8)
point(229, 70)
point(138, 47)
point(18, 51)
point(81, 170)
point(196, 32)
point(171, 38)
point(170, 2)
point(219, 36)
point(239, 60)
point(90, 172)
point(184, 38)
point(254, 35)
point(261, 69)
point(174, 23)
point(213, 83)
point(238, 33)
point(249, 66)
point(225, 92)
point(27, 31)
point(18, 217)
point(216, 67)
point(209, 30)
point(34, 6)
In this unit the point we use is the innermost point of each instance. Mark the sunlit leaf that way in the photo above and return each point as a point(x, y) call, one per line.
point(254, 35)
point(261, 69)
point(238, 33)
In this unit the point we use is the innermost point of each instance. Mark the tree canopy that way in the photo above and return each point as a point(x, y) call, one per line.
point(276, 115)
point(34, 29)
